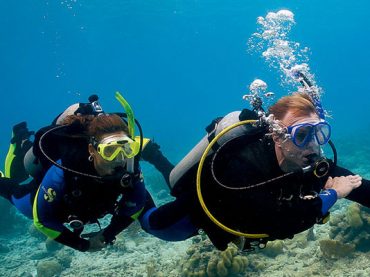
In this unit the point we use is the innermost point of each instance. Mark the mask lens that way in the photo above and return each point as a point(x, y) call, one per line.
point(131, 149)
point(302, 134)
point(322, 131)
point(109, 150)
point(127, 147)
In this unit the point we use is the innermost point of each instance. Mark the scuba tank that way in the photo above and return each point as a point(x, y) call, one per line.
point(191, 160)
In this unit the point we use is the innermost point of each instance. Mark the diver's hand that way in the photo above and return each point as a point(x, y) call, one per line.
point(96, 242)
point(343, 185)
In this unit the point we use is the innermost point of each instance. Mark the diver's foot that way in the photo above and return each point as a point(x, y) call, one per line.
point(21, 137)
point(21, 133)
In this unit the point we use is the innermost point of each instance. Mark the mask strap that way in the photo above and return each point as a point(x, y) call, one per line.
point(130, 165)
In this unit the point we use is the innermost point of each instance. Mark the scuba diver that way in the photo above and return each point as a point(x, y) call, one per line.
point(256, 177)
point(84, 166)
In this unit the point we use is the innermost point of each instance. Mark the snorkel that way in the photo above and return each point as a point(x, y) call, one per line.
point(130, 114)
point(131, 126)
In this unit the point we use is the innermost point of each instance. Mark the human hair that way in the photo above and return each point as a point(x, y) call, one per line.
point(96, 126)
point(299, 104)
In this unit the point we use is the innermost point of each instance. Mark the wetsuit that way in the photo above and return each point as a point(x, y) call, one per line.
point(278, 208)
point(62, 198)
point(56, 197)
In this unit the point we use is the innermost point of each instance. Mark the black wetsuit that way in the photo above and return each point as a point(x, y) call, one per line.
point(277, 208)
point(55, 197)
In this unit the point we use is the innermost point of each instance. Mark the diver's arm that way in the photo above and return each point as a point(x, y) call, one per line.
point(293, 216)
point(153, 155)
point(361, 194)
point(116, 226)
point(129, 209)
point(328, 198)
point(47, 203)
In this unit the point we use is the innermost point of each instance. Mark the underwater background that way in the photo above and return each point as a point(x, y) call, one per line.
point(180, 64)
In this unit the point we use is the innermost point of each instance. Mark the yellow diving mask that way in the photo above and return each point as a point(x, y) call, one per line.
point(110, 147)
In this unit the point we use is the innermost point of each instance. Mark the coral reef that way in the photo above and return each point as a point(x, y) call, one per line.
point(203, 260)
point(274, 248)
point(336, 249)
point(354, 228)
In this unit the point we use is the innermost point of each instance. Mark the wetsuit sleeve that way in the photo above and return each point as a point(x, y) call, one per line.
point(48, 204)
point(361, 194)
point(328, 199)
point(129, 209)
point(292, 216)
point(152, 154)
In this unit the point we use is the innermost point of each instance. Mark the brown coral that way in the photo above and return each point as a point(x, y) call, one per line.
point(204, 261)
point(335, 249)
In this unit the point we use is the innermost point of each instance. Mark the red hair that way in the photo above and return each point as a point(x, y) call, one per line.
point(299, 104)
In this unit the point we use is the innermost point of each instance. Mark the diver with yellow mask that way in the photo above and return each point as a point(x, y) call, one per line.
point(85, 167)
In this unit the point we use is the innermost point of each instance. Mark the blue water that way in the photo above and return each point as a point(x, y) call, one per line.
point(179, 63)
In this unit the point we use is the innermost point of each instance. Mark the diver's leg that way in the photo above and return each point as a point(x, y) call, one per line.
point(18, 195)
point(20, 144)
point(153, 155)
point(7, 188)
point(10, 188)
point(170, 222)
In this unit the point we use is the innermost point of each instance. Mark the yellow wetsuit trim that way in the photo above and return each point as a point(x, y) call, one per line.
point(9, 159)
point(145, 141)
point(137, 214)
point(46, 231)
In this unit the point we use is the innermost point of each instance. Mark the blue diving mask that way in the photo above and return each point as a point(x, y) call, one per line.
point(302, 134)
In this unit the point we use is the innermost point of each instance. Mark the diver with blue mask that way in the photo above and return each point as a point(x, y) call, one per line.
point(257, 177)
point(85, 167)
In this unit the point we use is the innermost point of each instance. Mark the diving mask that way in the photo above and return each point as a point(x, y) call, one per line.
point(112, 146)
point(302, 134)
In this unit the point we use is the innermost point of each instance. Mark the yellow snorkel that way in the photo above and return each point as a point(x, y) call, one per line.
point(130, 114)
point(131, 126)
point(131, 121)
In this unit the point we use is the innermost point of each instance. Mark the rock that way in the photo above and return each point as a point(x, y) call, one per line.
point(64, 258)
point(39, 255)
point(49, 268)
